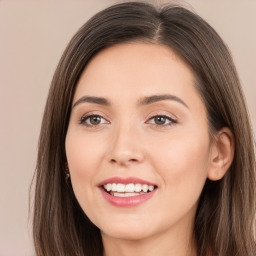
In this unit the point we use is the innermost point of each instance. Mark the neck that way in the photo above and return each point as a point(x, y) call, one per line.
point(167, 243)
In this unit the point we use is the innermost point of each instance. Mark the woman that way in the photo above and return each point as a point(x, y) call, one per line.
point(146, 146)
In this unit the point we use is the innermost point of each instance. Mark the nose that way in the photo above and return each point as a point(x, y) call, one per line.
point(126, 147)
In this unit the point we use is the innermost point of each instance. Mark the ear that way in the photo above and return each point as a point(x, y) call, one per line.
point(222, 154)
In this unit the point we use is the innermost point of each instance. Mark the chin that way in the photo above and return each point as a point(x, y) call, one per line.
point(131, 235)
point(126, 230)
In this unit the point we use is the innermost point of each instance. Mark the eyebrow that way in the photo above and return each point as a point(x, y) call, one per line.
point(156, 98)
point(91, 99)
point(144, 101)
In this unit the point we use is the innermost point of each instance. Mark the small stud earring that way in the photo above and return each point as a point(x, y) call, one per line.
point(67, 173)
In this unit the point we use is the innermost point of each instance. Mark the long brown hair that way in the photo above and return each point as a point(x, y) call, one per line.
point(225, 218)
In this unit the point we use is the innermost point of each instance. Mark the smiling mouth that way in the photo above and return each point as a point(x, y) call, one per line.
point(128, 190)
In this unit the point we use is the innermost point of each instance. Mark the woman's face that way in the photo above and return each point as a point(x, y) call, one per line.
point(138, 119)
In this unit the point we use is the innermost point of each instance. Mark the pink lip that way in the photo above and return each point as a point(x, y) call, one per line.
point(127, 201)
point(125, 181)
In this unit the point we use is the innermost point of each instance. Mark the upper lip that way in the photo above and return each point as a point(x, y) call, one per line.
point(128, 180)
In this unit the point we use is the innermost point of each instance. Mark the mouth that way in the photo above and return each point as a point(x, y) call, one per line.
point(127, 192)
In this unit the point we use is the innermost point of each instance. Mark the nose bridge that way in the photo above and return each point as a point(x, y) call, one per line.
point(126, 144)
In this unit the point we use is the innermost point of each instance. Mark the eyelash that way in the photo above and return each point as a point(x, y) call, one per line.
point(167, 118)
point(86, 117)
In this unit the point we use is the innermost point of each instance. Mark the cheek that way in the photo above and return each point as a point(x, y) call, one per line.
point(82, 154)
point(183, 162)
point(84, 160)
point(182, 166)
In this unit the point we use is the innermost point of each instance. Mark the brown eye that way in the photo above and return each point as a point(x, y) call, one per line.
point(160, 120)
point(94, 120)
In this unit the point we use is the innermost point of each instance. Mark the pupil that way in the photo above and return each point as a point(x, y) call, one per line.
point(160, 120)
point(95, 120)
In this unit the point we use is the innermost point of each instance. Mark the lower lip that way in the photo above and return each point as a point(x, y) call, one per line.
point(127, 201)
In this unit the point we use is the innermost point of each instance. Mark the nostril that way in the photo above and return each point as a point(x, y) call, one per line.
point(123, 162)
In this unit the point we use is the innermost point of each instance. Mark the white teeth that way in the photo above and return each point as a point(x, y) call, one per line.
point(109, 187)
point(114, 187)
point(120, 187)
point(137, 187)
point(150, 188)
point(128, 188)
point(145, 187)
point(126, 194)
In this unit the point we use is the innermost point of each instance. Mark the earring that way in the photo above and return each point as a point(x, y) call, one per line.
point(67, 173)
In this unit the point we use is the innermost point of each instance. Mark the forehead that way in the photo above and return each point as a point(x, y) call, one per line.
point(135, 69)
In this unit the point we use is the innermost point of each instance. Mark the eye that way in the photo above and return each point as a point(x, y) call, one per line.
point(162, 120)
point(93, 120)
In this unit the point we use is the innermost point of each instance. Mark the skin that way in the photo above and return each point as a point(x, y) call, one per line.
point(176, 156)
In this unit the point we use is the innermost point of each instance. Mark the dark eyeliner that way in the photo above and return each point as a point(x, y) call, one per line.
point(172, 121)
point(83, 119)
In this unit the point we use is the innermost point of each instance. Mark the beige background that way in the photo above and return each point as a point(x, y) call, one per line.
point(33, 34)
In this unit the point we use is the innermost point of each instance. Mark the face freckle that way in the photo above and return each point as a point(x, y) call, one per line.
point(126, 87)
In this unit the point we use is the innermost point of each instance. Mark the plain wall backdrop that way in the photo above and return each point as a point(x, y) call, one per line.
point(33, 35)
